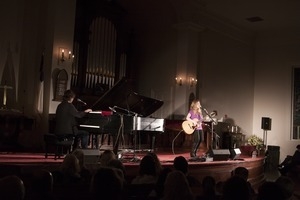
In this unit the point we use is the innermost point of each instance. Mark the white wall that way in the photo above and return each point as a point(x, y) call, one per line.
point(276, 54)
point(226, 82)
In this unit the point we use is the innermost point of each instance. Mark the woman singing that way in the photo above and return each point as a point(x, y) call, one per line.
point(195, 115)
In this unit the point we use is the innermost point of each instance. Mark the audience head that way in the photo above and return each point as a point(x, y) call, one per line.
point(106, 183)
point(80, 156)
point(12, 188)
point(106, 157)
point(177, 187)
point(209, 185)
point(115, 163)
point(287, 185)
point(70, 165)
point(157, 162)
point(181, 164)
point(236, 188)
point(159, 187)
point(147, 166)
point(270, 190)
point(42, 181)
point(241, 172)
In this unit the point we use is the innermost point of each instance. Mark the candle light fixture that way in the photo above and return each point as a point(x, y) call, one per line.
point(62, 57)
point(178, 81)
point(193, 81)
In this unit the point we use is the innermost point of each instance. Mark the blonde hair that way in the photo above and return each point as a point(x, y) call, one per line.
point(194, 106)
point(70, 165)
point(106, 157)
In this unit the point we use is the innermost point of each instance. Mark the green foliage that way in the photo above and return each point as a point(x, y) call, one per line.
point(254, 140)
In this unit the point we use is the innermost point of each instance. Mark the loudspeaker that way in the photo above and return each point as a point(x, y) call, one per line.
point(91, 156)
point(235, 153)
point(273, 156)
point(220, 154)
point(266, 123)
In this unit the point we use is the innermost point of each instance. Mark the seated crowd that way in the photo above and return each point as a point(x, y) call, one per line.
point(74, 180)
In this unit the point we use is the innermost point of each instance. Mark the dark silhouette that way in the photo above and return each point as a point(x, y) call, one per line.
point(177, 187)
point(147, 171)
point(106, 184)
point(287, 185)
point(181, 164)
point(290, 162)
point(270, 190)
point(244, 173)
point(236, 188)
point(208, 189)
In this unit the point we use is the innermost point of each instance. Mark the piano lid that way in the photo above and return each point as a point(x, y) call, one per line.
point(122, 97)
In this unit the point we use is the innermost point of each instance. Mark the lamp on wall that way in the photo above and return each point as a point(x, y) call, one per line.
point(178, 81)
point(62, 57)
point(193, 81)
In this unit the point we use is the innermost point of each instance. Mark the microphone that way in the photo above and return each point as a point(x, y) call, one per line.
point(112, 109)
point(203, 109)
point(79, 100)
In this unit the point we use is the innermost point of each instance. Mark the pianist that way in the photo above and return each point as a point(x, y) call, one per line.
point(65, 120)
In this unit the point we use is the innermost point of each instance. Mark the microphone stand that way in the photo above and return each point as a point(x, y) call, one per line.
point(130, 113)
point(213, 122)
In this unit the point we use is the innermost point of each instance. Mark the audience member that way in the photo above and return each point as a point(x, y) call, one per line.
point(69, 172)
point(157, 162)
point(84, 172)
point(117, 164)
point(219, 188)
point(106, 184)
point(290, 162)
point(208, 189)
point(41, 186)
point(147, 171)
point(12, 188)
point(244, 173)
point(236, 188)
point(177, 187)
point(270, 190)
point(287, 185)
point(181, 164)
point(158, 191)
point(106, 157)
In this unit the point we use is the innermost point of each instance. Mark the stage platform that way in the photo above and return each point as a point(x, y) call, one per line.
point(21, 163)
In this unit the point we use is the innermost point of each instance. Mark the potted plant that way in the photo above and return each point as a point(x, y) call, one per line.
point(258, 142)
point(254, 143)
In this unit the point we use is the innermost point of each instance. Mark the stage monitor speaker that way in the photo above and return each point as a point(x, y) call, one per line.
point(266, 123)
point(220, 154)
point(235, 153)
point(91, 156)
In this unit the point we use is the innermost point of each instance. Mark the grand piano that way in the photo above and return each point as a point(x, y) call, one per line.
point(122, 111)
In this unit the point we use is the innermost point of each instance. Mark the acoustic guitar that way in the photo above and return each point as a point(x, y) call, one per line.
point(188, 127)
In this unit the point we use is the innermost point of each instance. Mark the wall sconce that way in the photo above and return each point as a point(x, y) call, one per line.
point(178, 81)
point(193, 81)
point(62, 57)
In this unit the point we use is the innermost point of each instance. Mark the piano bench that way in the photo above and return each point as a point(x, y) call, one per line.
point(58, 143)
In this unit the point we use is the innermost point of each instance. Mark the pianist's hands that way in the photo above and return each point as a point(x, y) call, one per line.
point(88, 110)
